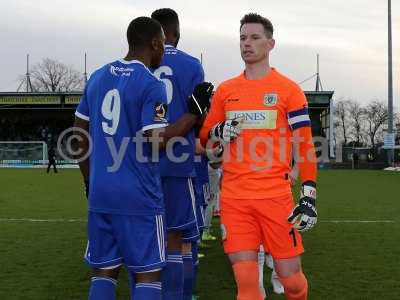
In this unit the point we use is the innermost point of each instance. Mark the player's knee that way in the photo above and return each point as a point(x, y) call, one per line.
point(295, 286)
point(236, 257)
point(186, 248)
point(109, 272)
point(287, 267)
point(148, 277)
point(246, 276)
point(174, 240)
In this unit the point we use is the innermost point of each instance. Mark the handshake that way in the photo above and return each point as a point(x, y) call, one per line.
point(222, 134)
point(226, 131)
point(199, 103)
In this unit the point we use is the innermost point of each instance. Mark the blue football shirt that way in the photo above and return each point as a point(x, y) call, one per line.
point(181, 73)
point(122, 100)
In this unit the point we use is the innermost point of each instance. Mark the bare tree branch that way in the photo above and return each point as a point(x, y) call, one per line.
point(356, 121)
point(52, 76)
point(341, 113)
point(376, 114)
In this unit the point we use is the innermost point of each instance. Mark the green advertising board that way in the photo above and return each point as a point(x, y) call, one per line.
point(72, 99)
point(29, 100)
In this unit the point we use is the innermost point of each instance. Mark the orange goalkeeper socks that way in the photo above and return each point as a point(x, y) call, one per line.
point(296, 286)
point(246, 276)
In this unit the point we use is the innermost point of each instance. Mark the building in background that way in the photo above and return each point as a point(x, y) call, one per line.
point(35, 120)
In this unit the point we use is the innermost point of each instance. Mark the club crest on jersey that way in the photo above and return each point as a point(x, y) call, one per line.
point(270, 99)
point(160, 112)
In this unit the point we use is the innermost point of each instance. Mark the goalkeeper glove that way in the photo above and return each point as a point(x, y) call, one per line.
point(227, 131)
point(304, 215)
point(199, 101)
point(215, 155)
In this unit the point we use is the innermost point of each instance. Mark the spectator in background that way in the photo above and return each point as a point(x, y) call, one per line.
point(370, 157)
point(355, 160)
point(52, 159)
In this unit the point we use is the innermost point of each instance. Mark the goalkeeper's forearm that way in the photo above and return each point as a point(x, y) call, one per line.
point(203, 134)
point(305, 157)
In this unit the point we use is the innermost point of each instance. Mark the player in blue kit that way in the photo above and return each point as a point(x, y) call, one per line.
point(181, 73)
point(124, 110)
point(202, 187)
point(202, 196)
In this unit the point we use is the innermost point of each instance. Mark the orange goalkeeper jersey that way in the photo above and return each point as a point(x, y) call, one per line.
point(257, 163)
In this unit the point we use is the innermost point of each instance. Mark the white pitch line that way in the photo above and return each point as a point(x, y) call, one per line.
point(357, 221)
point(84, 220)
point(43, 220)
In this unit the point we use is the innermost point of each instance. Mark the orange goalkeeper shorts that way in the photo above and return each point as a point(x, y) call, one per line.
point(246, 224)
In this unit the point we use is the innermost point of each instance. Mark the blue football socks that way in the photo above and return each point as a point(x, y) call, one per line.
point(102, 288)
point(172, 276)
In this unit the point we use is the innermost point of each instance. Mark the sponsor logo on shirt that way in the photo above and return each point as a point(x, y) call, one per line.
point(118, 71)
point(160, 111)
point(270, 99)
point(255, 119)
point(171, 51)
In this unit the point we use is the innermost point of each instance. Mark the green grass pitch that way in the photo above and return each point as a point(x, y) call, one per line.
point(43, 237)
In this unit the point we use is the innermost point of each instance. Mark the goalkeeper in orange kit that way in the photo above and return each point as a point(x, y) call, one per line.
point(258, 116)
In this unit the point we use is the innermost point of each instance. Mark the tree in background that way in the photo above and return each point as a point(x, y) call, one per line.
point(356, 124)
point(53, 76)
point(396, 121)
point(336, 132)
point(356, 121)
point(376, 115)
point(341, 113)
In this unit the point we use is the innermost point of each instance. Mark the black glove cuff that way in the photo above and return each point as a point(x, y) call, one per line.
point(309, 200)
point(310, 183)
point(194, 107)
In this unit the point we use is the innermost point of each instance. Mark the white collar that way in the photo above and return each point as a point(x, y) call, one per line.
point(128, 62)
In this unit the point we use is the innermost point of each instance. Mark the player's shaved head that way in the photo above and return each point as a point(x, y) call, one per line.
point(142, 31)
point(258, 19)
point(166, 16)
point(146, 41)
point(169, 20)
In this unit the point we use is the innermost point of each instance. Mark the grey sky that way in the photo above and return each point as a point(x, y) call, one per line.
point(349, 35)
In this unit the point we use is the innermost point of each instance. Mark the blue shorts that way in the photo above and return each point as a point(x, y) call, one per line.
point(202, 198)
point(200, 216)
point(179, 197)
point(135, 241)
point(191, 235)
point(194, 234)
point(203, 193)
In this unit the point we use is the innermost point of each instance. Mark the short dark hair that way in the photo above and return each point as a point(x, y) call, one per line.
point(258, 19)
point(167, 17)
point(141, 31)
